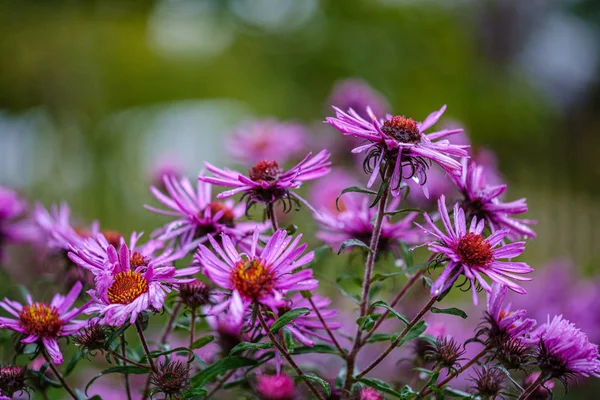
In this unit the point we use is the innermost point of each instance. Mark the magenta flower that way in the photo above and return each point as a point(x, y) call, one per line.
point(267, 139)
point(324, 192)
point(370, 394)
point(357, 95)
point(471, 254)
point(129, 282)
point(399, 142)
point(355, 222)
point(13, 229)
point(263, 277)
point(197, 214)
point(57, 229)
point(483, 201)
point(307, 326)
point(565, 352)
point(503, 321)
point(45, 323)
point(267, 183)
point(275, 387)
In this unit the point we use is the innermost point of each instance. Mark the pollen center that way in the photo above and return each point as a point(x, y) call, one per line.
point(265, 171)
point(113, 238)
point(137, 260)
point(41, 320)
point(474, 250)
point(127, 287)
point(404, 130)
point(252, 278)
point(227, 218)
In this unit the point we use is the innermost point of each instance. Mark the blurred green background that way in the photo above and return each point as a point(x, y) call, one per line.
point(94, 95)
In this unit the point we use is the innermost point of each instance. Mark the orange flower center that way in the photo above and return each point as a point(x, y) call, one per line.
point(265, 171)
point(127, 287)
point(137, 260)
point(113, 238)
point(252, 278)
point(227, 218)
point(474, 250)
point(41, 320)
point(404, 130)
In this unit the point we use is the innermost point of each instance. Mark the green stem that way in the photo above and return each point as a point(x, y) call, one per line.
point(58, 375)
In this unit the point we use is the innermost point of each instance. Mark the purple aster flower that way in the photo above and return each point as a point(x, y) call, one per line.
point(472, 254)
point(505, 324)
point(324, 192)
point(356, 94)
point(307, 326)
point(262, 277)
point(57, 228)
point(197, 214)
point(355, 222)
point(267, 139)
point(565, 352)
point(13, 229)
point(45, 323)
point(370, 394)
point(483, 201)
point(228, 323)
point(267, 183)
point(275, 387)
point(398, 142)
point(129, 282)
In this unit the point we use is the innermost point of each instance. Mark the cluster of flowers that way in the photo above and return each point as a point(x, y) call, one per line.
point(253, 282)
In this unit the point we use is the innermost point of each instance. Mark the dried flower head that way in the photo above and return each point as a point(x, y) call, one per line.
point(445, 353)
point(171, 379)
point(195, 294)
point(92, 337)
point(513, 354)
point(12, 379)
point(489, 382)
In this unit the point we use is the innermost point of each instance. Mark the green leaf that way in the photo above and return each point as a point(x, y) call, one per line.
point(457, 393)
point(367, 322)
point(288, 339)
point(414, 333)
point(451, 311)
point(221, 366)
point(381, 386)
point(404, 210)
point(121, 369)
point(250, 346)
point(354, 243)
point(391, 310)
point(380, 192)
point(115, 334)
point(381, 337)
point(73, 363)
point(201, 342)
point(415, 268)
point(317, 348)
point(408, 393)
point(352, 189)
point(288, 317)
point(157, 353)
point(383, 277)
point(315, 378)
point(195, 392)
point(407, 254)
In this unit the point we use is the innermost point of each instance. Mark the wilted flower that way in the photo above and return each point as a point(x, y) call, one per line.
point(198, 215)
point(398, 142)
point(92, 337)
point(489, 382)
point(472, 254)
point(12, 380)
point(275, 387)
point(445, 353)
point(195, 294)
point(267, 139)
point(267, 183)
point(564, 351)
point(254, 277)
point(43, 322)
point(129, 282)
point(171, 379)
point(483, 201)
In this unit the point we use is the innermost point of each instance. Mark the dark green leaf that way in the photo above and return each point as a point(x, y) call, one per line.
point(121, 369)
point(317, 348)
point(408, 393)
point(382, 189)
point(366, 323)
point(457, 393)
point(221, 366)
point(381, 337)
point(451, 311)
point(404, 210)
point(73, 363)
point(201, 342)
point(195, 393)
point(383, 277)
point(116, 333)
point(354, 243)
point(288, 339)
point(415, 268)
point(250, 346)
point(414, 333)
point(156, 354)
point(391, 310)
point(315, 378)
point(352, 189)
point(381, 386)
point(288, 317)
point(291, 229)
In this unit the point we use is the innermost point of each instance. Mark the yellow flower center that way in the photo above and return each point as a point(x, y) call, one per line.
point(127, 287)
point(41, 320)
point(252, 278)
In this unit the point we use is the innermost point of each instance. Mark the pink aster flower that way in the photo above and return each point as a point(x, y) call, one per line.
point(308, 326)
point(45, 323)
point(129, 282)
point(267, 139)
point(355, 222)
point(564, 351)
point(356, 94)
point(471, 254)
point(483, 201)
point(267, 183)
point(275, 387)
point(504, 323)
point(13, 228)
point(370, 394)
point(197, 214)
point(324, 192)
point(397, 142)
point(263, 277)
